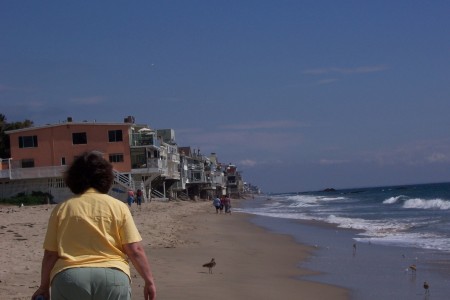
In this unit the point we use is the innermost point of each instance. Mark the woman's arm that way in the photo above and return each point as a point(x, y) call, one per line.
point(48, 261)
point(136, 253)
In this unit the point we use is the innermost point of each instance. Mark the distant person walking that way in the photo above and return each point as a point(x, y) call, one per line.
point(139, 198)
point(90, 239)
point(227, 204)
point(222, 201)
point(130, 198)
point(216, 203)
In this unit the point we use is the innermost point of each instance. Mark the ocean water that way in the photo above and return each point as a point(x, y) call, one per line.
point(412, 216)
point(376, 234)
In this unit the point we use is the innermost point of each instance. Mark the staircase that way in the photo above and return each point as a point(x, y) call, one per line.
point(124, 180)
point(157, 194)
point(129, 183)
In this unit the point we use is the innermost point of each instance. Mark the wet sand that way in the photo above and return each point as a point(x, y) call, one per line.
point(371, 271)
point(179, 238)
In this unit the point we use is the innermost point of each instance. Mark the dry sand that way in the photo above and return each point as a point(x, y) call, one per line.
point(179, 237)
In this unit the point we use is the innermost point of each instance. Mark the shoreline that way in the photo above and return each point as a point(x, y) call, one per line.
point(373, 271)
point(179, 237)
point(252, 263)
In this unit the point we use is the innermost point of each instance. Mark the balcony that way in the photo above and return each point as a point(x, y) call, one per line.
point(151, 166)
point(144, 138)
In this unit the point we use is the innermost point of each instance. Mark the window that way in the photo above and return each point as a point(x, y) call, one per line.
point(79, 138)
point(197, 176)
point(28, 141)
point(115, 135)
point(28, 163)
point(63, 161)
point(232, 179)
point(117, 157)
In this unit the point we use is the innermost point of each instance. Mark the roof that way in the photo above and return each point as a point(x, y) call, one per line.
point(67, 123)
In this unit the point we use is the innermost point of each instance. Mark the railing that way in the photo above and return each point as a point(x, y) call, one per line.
point(174, 157)
point(218, 179)
point(195, 167)
point(175, 175)
point(144, 139)
point(29, 173)
point(156, 163)
point(4, 174)
point(153, 165)
point(124, 180)
point(198, 178)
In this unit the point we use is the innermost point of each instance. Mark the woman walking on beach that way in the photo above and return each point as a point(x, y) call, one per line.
point(130, 197)
point(217, 203)
point(227, 204)
point(139, 198)
point(89, 238)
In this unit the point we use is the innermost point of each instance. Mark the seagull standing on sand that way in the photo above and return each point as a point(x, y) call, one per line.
point(210, 265)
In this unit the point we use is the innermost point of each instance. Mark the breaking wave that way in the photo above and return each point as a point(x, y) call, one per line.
point(427, 204)
point(393, 200)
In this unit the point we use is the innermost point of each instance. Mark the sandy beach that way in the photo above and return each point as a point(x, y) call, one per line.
point(179, 238)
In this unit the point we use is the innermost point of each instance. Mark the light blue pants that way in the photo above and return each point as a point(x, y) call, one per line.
point(91, 284)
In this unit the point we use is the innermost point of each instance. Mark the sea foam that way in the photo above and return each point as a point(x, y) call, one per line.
point(427, 204)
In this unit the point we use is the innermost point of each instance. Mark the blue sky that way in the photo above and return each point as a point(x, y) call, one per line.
point(300, 95)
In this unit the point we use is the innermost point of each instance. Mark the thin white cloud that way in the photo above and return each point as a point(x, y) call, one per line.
point(248, 163)
point(414, 153)
point(326, 81)
point(265, 125)
point(333, 161)
point(188, 131)
point(88, 100)
point(438, 158)
point(242, 141)
point(346, 71)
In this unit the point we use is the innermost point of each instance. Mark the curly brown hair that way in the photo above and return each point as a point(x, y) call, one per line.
point(89, 170)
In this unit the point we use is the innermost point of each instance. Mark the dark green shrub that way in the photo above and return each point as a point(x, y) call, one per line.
point(36, 198)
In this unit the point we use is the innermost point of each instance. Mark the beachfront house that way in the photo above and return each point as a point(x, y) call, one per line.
point(200, 176)
point(141, 158)
point(235, 183)
point(216, 175)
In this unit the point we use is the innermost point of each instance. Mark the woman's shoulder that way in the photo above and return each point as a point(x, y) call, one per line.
point(107, 200)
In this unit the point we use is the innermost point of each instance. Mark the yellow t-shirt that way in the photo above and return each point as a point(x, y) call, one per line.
point(89, 230)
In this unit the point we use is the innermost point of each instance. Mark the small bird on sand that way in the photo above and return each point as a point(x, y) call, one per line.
point(426, 286)
point(210, 265)
point(413, 268)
